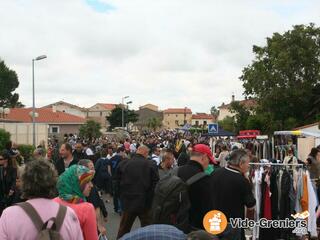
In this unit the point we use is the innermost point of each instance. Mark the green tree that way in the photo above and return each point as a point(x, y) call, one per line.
point(115, 118)
point(154, 123)
point(227, 124)
point(285, 78)
point(241, 115)
point(214, 111)
point(91, 129)
point(8, 84)
point(4, 138)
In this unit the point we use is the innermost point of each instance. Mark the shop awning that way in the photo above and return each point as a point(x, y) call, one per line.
point(299, 133)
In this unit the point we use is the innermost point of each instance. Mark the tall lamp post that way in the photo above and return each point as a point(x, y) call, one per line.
point(123, 110)
point(33, 100)
point(128, 110)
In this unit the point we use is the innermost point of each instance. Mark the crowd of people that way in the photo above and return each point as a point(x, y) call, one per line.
point(167, 180)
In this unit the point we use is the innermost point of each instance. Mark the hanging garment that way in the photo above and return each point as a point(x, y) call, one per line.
point(299, 194)
point(279, 179)
point(312, 205)
point(267, 233)
point(267, 204)
point(305, 195)
point(274, 195)
point(286, 183)
point(257, 194)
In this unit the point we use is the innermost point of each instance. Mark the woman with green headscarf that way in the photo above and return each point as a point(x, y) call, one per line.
point(74, 185)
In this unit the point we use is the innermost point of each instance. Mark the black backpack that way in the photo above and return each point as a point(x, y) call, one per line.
point(171, 201)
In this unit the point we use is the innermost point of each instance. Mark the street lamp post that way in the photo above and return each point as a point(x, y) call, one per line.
point(127, 114)
point(122, 106)
point(33, 100)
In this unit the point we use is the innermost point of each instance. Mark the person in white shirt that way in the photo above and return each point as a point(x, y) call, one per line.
point(87, 149)
point(290, 158)
point(222, 156)
point(156, 155)
point(110, 153)
point(133, 146)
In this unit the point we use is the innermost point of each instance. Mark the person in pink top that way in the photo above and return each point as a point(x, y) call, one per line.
point(39, 180)
point(74, 185)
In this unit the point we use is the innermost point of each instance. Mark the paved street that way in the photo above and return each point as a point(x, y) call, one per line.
point(114, 221)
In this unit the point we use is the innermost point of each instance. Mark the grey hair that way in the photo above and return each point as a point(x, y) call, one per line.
point(165, 154)
point(237, 157)
point(39, 180)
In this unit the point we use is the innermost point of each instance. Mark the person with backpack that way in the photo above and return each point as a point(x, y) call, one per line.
point(39, 217)
point(113, 165)
point(74, 186)
point(167, 161)
point(182, 198)
point(102, 178)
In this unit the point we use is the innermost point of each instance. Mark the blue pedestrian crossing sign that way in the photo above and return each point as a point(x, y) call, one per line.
point(213, 128)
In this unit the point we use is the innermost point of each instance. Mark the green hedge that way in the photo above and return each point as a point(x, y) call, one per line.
point(26, 151)
point(4, 138)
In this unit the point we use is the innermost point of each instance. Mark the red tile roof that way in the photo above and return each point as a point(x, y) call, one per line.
point(178, 110)
point(247, 103)
point(202, 116)
point(46, 115)
point(108, 106)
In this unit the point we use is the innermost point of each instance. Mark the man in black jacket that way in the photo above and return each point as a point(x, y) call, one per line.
point(199, 192)
point(232, 191)
point(66, 159)
point(136, 179)
point(78, 152)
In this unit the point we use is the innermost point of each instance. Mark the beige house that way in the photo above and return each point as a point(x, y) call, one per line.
point(176, 117)
point(69, 108)
point(57, 123)
point(150, 106)
point(202, 119)
point(146, 113)
point(99, 112)
point(224, 109)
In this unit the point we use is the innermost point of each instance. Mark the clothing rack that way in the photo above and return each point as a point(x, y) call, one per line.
point(278, 164)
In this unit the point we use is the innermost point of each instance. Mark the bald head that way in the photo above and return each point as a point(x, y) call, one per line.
point(143, 150)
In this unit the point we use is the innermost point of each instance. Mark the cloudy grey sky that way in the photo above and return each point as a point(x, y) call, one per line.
point(172, 53)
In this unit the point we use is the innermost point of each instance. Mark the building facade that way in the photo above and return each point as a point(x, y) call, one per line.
point(224, 109)
point(146, 114)
point(99, 112)
point(69, 108)
point(176, 117)
point(202, 119)
point(57, 123)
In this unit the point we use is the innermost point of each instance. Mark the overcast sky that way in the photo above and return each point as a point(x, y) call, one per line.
point(172, 53)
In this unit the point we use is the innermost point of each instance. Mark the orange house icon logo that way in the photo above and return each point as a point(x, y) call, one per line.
point(215, 222)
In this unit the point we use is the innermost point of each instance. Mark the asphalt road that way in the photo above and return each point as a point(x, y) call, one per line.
point(112, 225)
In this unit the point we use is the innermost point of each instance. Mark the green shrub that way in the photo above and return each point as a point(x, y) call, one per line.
point(4, 138)
point(26, 151)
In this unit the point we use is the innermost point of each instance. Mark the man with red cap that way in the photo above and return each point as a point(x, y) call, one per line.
point(199, 193)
